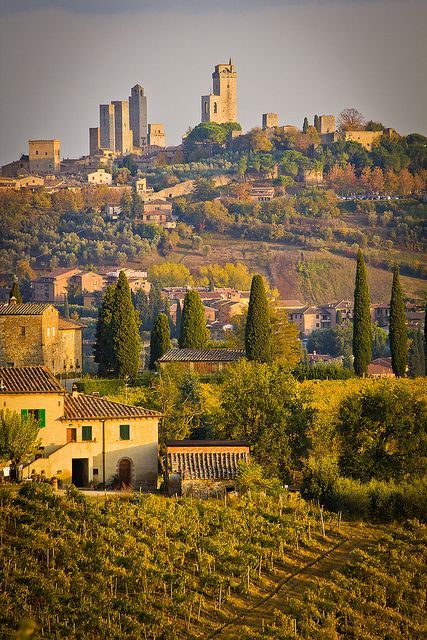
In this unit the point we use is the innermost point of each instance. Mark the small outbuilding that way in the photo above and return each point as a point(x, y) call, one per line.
point(202, 360)
point(203, 466)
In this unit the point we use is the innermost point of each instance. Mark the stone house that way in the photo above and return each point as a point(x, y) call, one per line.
point(203, 466)
point(85, 438)
point(202, 360)
point(52, 287)
point(34, 334)
point(100, 176)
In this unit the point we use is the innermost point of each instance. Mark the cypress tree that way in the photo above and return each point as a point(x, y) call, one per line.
point(258, 332)
point(160, 339)
point(178, 319)
point(425, 340)
point(103, 348)
point(193, 332)
point(66, 308)
point(415, 357)
point(398, 335)
point(362, 328)
point(338, 319)
point(15, 292)
point(421, 351)
point(316, 123)
point(305, 125)
point(125, 331)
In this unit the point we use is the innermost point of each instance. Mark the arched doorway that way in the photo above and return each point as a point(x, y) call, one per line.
point(125, 472)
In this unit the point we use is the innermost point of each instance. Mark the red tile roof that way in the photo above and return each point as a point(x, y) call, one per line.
point(30, 379)
point(27, 309)
point(82, 407)
point(202, 355)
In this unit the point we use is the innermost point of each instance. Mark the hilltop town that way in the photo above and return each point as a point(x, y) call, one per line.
point(212, 361)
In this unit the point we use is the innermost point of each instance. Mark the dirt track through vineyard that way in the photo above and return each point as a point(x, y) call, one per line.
point(294, 585)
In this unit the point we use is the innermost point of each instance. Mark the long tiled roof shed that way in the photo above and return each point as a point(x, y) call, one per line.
point(26, 309)
point(206, 459)
point(30, 379)
point(96, 408)
point(202, 355)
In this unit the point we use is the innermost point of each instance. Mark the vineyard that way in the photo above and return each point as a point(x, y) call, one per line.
point(146, 567)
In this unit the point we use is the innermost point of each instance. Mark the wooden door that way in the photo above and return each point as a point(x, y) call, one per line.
point(71, 435)
point(125, 472)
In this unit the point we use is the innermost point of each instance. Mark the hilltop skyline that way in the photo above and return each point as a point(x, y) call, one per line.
point(296, 60)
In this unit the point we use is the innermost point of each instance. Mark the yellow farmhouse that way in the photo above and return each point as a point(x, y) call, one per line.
point(85, 438)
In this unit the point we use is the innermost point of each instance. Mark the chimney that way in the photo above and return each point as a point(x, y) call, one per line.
point(74, 392)
point(13, 300)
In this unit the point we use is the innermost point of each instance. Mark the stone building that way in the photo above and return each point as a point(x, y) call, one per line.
point(100, 176)
point(270, 120)
point(107, 133)
point(44, 156)
point(34, 334)
point(52, 287)
point(16, 168)
point(203, 466)
point(327, 124)
point(202, 360)
point(138, 115)
point(122, 131)
point(94, 141)
point(221, 105)
point(85, 439)
point(156, 135)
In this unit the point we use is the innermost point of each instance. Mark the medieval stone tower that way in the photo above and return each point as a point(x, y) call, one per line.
point(221, 105)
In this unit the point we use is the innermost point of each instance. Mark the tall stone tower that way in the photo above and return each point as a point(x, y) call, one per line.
point(138, 115)
point(221, 105)
point(123, 133)
point(107, 134)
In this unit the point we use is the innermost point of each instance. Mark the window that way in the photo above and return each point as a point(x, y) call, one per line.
point(53, 331)
point(215, 107)
point(37, 414)
point(22, 331)
point(86, 433)
point(48, 332)
point(124, 432)
point(206, 107)
point(95, 471)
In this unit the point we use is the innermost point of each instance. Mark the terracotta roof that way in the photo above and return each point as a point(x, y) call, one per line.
point(202, 355)
point(26, 309)
point(63, 323)
point(30, 379)
point(379, 369)
point(208, 464)
point(384, 361)
point(207, 443)
point(101, 408)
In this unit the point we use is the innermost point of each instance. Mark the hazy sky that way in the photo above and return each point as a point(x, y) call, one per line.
point(60, 59)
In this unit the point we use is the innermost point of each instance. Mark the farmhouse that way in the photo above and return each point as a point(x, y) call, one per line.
point(85, 439)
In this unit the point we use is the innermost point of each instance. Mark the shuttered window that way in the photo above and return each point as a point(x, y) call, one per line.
point(86, 433)
point(37, 414)
point(124, 432)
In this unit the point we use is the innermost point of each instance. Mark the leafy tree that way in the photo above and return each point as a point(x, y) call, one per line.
point(286, 342)
point(122, 175)
point(383, 433)
point(398, 334)
point(371, 125)
point(103, 348)
point(362, 329)
point(193, 332)
point(204, 189)
point(160, 339)
point(15, 292)
point(351, 120)
point(169, 274)
point(258, 332)
point(379, 342)
point(125, 331)
point(262, 404)
point(18, 439)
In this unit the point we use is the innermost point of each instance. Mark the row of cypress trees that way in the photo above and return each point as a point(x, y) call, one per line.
point(362, 327)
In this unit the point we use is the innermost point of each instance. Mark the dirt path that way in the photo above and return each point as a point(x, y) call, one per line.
point(295, 584)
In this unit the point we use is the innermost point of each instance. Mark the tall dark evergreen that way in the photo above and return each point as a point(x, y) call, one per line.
point(66, 308)
point(258, 331)
point(425, 340)
point(416, 363)
point(15, 292)
point(178, 319)
point(125, 331)
point(305, 125)
point(160, 339)
point(398, 334)
point(316, 123)
point(103, 349)
point(193, 332)
point(362, 327)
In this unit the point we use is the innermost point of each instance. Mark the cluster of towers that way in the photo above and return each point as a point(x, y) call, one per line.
point(123, 126)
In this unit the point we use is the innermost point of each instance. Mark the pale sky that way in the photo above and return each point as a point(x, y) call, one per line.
point(59, 59)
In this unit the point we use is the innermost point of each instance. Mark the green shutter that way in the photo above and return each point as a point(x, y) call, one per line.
point(42, 419)
point(86, 432)
point(124, 432)
point(24, 413)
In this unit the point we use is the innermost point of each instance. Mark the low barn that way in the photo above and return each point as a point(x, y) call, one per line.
point(202, 360)
point(203, 466)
